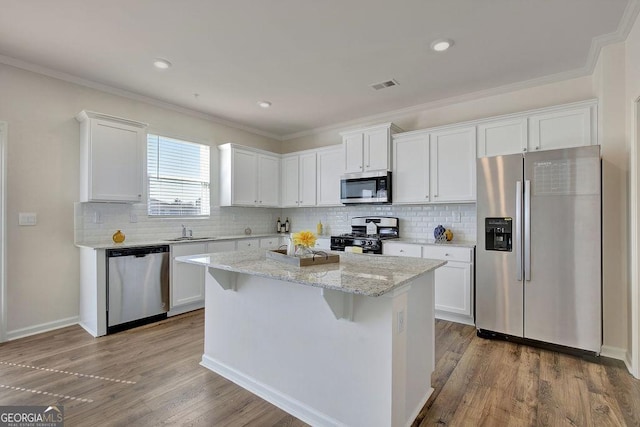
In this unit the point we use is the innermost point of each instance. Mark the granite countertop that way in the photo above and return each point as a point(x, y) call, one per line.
point(137, 243)
point(363, 274)
point(459, 243)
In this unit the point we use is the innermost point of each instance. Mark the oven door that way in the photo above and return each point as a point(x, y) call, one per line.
point(374, 187)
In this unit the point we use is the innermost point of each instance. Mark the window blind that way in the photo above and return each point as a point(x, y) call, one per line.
point(178, 177)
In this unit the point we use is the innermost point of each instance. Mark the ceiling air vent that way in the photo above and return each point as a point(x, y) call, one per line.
point(382, 85)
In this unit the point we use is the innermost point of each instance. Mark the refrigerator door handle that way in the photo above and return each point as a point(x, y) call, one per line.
point(518, 242)
point(527, 230)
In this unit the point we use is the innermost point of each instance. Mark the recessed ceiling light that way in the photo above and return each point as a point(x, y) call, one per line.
point(264, 104)
point(441, 45)
point(163, 64)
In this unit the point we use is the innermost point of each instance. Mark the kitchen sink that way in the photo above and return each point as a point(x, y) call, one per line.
point(182, 239)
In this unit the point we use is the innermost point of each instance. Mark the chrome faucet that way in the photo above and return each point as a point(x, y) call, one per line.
point(184, 231)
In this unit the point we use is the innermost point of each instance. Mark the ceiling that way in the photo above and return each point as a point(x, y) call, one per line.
point(313, 59)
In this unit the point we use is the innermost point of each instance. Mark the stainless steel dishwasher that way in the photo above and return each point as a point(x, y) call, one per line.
point(137, 286)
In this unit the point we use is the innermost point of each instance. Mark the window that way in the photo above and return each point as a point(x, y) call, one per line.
point(179, 177)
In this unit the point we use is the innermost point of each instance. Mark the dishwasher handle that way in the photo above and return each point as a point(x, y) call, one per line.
point(137, 251)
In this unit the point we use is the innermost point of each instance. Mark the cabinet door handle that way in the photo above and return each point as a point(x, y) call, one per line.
point(401, 250)
point(524, 149)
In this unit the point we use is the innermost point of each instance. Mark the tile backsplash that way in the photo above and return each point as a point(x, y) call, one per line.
point(415, 221)
point(96, 222)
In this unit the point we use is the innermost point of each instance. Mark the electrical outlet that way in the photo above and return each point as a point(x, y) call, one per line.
point(97, 217)
point(133, 217)
point(455, 216)
point(27, 218)
point(401, 321)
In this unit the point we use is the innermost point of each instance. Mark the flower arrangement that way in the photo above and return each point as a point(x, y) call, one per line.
point(304, 239)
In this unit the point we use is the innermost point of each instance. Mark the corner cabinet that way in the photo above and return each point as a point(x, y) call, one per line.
point(454, 281)
point(248, 177)
point(112, 158)
point(435, 166)
point(368, 149)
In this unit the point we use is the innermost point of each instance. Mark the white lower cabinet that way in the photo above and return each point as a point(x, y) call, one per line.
point(248, 244)
point(454, 281)
point(187, 281)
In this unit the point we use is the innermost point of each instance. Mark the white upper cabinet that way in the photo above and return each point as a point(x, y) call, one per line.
point(453, 165)
point(290, 171)
point(353, 152)
point(112, 158)
point(368, 149)
point(435, 166)
point(410, 179)
point(268, 180)
point(500, 137)
point(248, 177)
point(299, 180)
point(330, 168)
point(563, 126)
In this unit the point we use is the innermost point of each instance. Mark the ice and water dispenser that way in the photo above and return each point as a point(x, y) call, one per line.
point(498, 234)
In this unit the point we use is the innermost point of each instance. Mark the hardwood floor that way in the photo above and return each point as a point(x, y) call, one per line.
point(151, 376)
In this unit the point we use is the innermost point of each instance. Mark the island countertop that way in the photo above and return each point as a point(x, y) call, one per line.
point(363, 274)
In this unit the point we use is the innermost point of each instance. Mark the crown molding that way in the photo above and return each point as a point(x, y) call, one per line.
point(69, 78)
point(626, 24)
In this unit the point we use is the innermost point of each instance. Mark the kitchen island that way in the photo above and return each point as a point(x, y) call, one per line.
point(350, 343)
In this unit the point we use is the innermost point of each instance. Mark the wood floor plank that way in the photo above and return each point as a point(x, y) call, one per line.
point(476, 382)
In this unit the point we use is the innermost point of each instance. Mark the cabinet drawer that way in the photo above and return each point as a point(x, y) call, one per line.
point(270, 243)
point(248, 244)
point(184, 249)
point(447, 253)
point(402, 249)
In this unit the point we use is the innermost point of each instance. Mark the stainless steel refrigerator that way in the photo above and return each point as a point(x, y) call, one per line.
point(539, 269)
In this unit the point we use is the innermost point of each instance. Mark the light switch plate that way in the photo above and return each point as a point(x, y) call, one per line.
point(27, 218)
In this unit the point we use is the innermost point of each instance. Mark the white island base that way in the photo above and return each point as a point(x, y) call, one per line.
point(283, 342)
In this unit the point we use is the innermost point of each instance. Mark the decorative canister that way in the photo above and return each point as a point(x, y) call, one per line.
point(118, 237)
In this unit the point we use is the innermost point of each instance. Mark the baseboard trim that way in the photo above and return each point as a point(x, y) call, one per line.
point(458, 318)
point(615, 353)
point(185, 308)
point(43, 327)
point(281, 400)
point(418, 408)
point(88, 329)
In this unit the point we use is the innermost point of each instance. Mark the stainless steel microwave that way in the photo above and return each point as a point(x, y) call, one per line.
point(365, 187)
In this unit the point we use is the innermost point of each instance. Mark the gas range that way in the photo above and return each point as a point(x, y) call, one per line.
point(367, 233)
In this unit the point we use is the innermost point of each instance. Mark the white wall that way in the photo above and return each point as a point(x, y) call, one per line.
point(631, 96)
point(608, 81)
point(42, 177)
